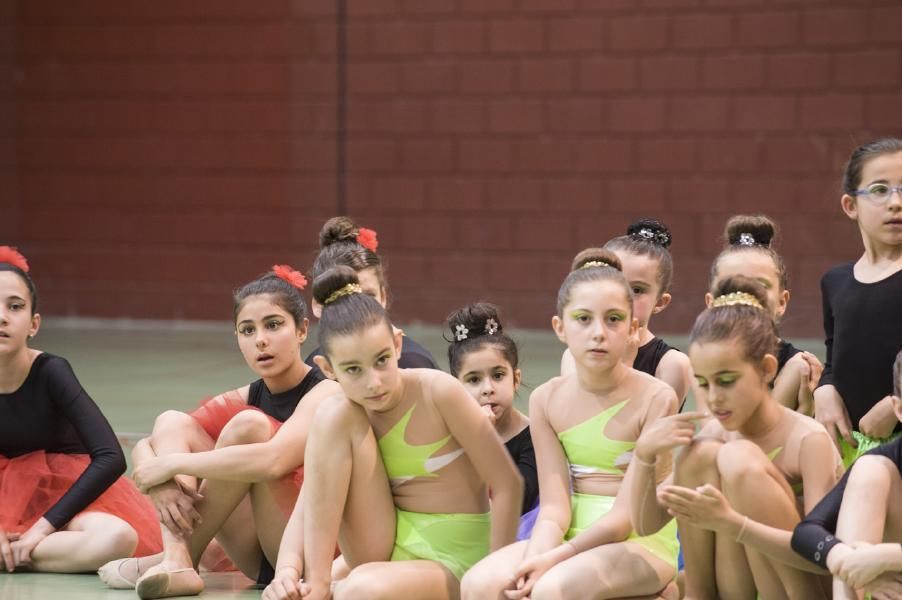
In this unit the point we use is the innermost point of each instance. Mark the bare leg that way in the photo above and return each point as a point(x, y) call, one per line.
point(408, 579)
point(492, 575)
point(757, 489)
point(716, 567)
point(868, 512)
point(346, 492)
point(222, 500)
point(88, 541)
point(611, 571)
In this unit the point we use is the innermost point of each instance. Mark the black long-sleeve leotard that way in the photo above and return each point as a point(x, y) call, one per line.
point(863, 329)
point(815, 536)
point(524, 456)
point(52, 412)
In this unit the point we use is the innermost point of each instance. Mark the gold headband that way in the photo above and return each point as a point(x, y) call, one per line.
point(351, 288)
point(733, 298)
point(594, 263)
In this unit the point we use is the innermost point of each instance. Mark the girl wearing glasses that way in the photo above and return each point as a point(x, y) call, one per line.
point(861, 306)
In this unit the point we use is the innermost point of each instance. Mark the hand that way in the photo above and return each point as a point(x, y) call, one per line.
point(286, 585)
point(704, 507)
point(880, 421)
point(886, 587)
point(489, 413)
point(22, 547)
point(830, 412)
point(632, 347)
point(175, 507)
point(810, 371)
point(7, 560)
point(665, 434)
point(863, 564)
point(152, 472)
point(529, 572)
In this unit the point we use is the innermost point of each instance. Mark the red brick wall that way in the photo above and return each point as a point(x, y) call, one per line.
point(167, 151)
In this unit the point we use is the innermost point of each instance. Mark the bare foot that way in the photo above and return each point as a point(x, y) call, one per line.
point(166, 580)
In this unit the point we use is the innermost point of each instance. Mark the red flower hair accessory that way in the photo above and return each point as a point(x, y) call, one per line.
point(367, 239)
point(13, 257)
point(290, 276)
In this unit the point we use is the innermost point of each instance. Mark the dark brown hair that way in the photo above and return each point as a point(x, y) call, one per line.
point(29, 283)
point(751, 233)
point(648, 237)
point(483, 328)
point(581, 271)
point(284, 295)
point(860, 157)
point(347, 314)
point(338, 246)
point(752, 327)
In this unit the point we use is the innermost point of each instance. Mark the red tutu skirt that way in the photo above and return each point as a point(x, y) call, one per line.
point(213, 415)
point(32, 483)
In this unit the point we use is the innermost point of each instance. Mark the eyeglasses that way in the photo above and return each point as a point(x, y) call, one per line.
point(879, 193)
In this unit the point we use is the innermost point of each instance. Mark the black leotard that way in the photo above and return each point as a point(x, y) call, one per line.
point(524, 456)
point(863, 327)
point(52, 412)
point(649, 355)
point(282, 405)
point(785, 351)
point(815, 536)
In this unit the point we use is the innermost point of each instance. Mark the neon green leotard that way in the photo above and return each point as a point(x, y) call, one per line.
point(588, 451)
point(405, 461)
point(456, 540)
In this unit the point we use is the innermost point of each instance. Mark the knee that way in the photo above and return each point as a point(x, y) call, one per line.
point(741, 460)
point(869, 474)
point(551, 587)
point(247, 427)
point(117, 540)
point(361, 584)
point(172, 420)
point(482, 581)
point(699, 457)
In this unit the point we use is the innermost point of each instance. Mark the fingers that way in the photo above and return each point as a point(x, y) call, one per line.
point(6, 553)
point(845, 431)
point(181, 525)
point(832, 431)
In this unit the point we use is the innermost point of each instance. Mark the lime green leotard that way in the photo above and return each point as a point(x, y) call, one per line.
point(588, 451)
point(455, 540)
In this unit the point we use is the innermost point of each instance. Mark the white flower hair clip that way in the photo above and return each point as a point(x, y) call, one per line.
point(747, 239)
point(491, 326)
point(460, 332)
point(646, 233)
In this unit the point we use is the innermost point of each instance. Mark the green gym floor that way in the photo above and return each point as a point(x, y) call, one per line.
point(135, 370)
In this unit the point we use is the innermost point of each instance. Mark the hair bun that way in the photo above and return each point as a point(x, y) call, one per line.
point(338, 229)
point(745, 285)
point(332, 280)
point(651, 231)
point(596, 255)
point(474, 320)
point(750, 230)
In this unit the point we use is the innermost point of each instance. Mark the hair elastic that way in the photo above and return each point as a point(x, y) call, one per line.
point(734, 298)
point(347, 290)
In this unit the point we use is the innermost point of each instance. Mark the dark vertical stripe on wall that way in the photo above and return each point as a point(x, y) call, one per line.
point(341, 107)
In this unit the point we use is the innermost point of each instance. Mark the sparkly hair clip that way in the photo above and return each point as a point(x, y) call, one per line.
point(746, 239)
point(734, 298)
point(349, 289)
point(290, 276)
point(367, 239)
point(660, 238)
point(460, 332)
point(491, 327)
point(594, 263)
point(13, 257)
